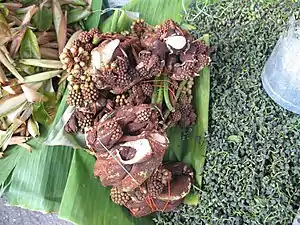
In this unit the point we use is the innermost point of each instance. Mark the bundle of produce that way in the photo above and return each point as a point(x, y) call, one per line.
point(127, 89)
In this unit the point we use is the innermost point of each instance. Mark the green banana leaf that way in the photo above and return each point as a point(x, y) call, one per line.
point(39, 178)
point(60, 179)
point(196, 144)
point(156, 11)
point(9, 162)
point(56, 135)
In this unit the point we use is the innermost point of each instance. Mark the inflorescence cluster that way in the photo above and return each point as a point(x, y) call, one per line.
point(115, 83)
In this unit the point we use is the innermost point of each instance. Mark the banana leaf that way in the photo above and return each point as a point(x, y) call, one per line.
point(60, 179)
point(156, 11)
point(9, 162)
point(39, 178)
point(118, 22)
point(196, 144)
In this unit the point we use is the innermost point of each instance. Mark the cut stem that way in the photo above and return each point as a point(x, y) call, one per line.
point(181, 86)
point(154, 95)
point(160, 96)
point(166, 95)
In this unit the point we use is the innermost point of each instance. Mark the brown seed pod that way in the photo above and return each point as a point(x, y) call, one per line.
point(139, 27)
point(74, 59)
point(75, 97)
point(85, 37)
point(88, 47)
point(175, 117)
point(84, 120)
point(157, 181)
point(147, 89)
point(144, 115)
point(119, 197)
point(94, 31)
point(121, 100)
point(89, 92)
point(77, 43)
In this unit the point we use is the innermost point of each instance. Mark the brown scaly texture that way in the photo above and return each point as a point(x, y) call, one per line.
point(175, 117)
point(163, 191)
point(94, 31)
point(149, 65)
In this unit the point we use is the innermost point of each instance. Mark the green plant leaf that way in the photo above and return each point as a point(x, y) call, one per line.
point(119, 21)
point(29, 46)
point(43, 19)
point(77, 14)
point(44, 112)
point(191, 199)
point(159, 10)
point(94, 19)
point(235, 138)
point(3, 10)
point(28, 2)
point(85, 201)
point(42, 76)
point(39, 178)
point(78, 2)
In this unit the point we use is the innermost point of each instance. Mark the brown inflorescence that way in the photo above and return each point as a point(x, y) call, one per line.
point(163, 191)
point(115, 83)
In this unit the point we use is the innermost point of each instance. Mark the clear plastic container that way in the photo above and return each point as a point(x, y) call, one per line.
point(296, 220)
point(281, 74)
